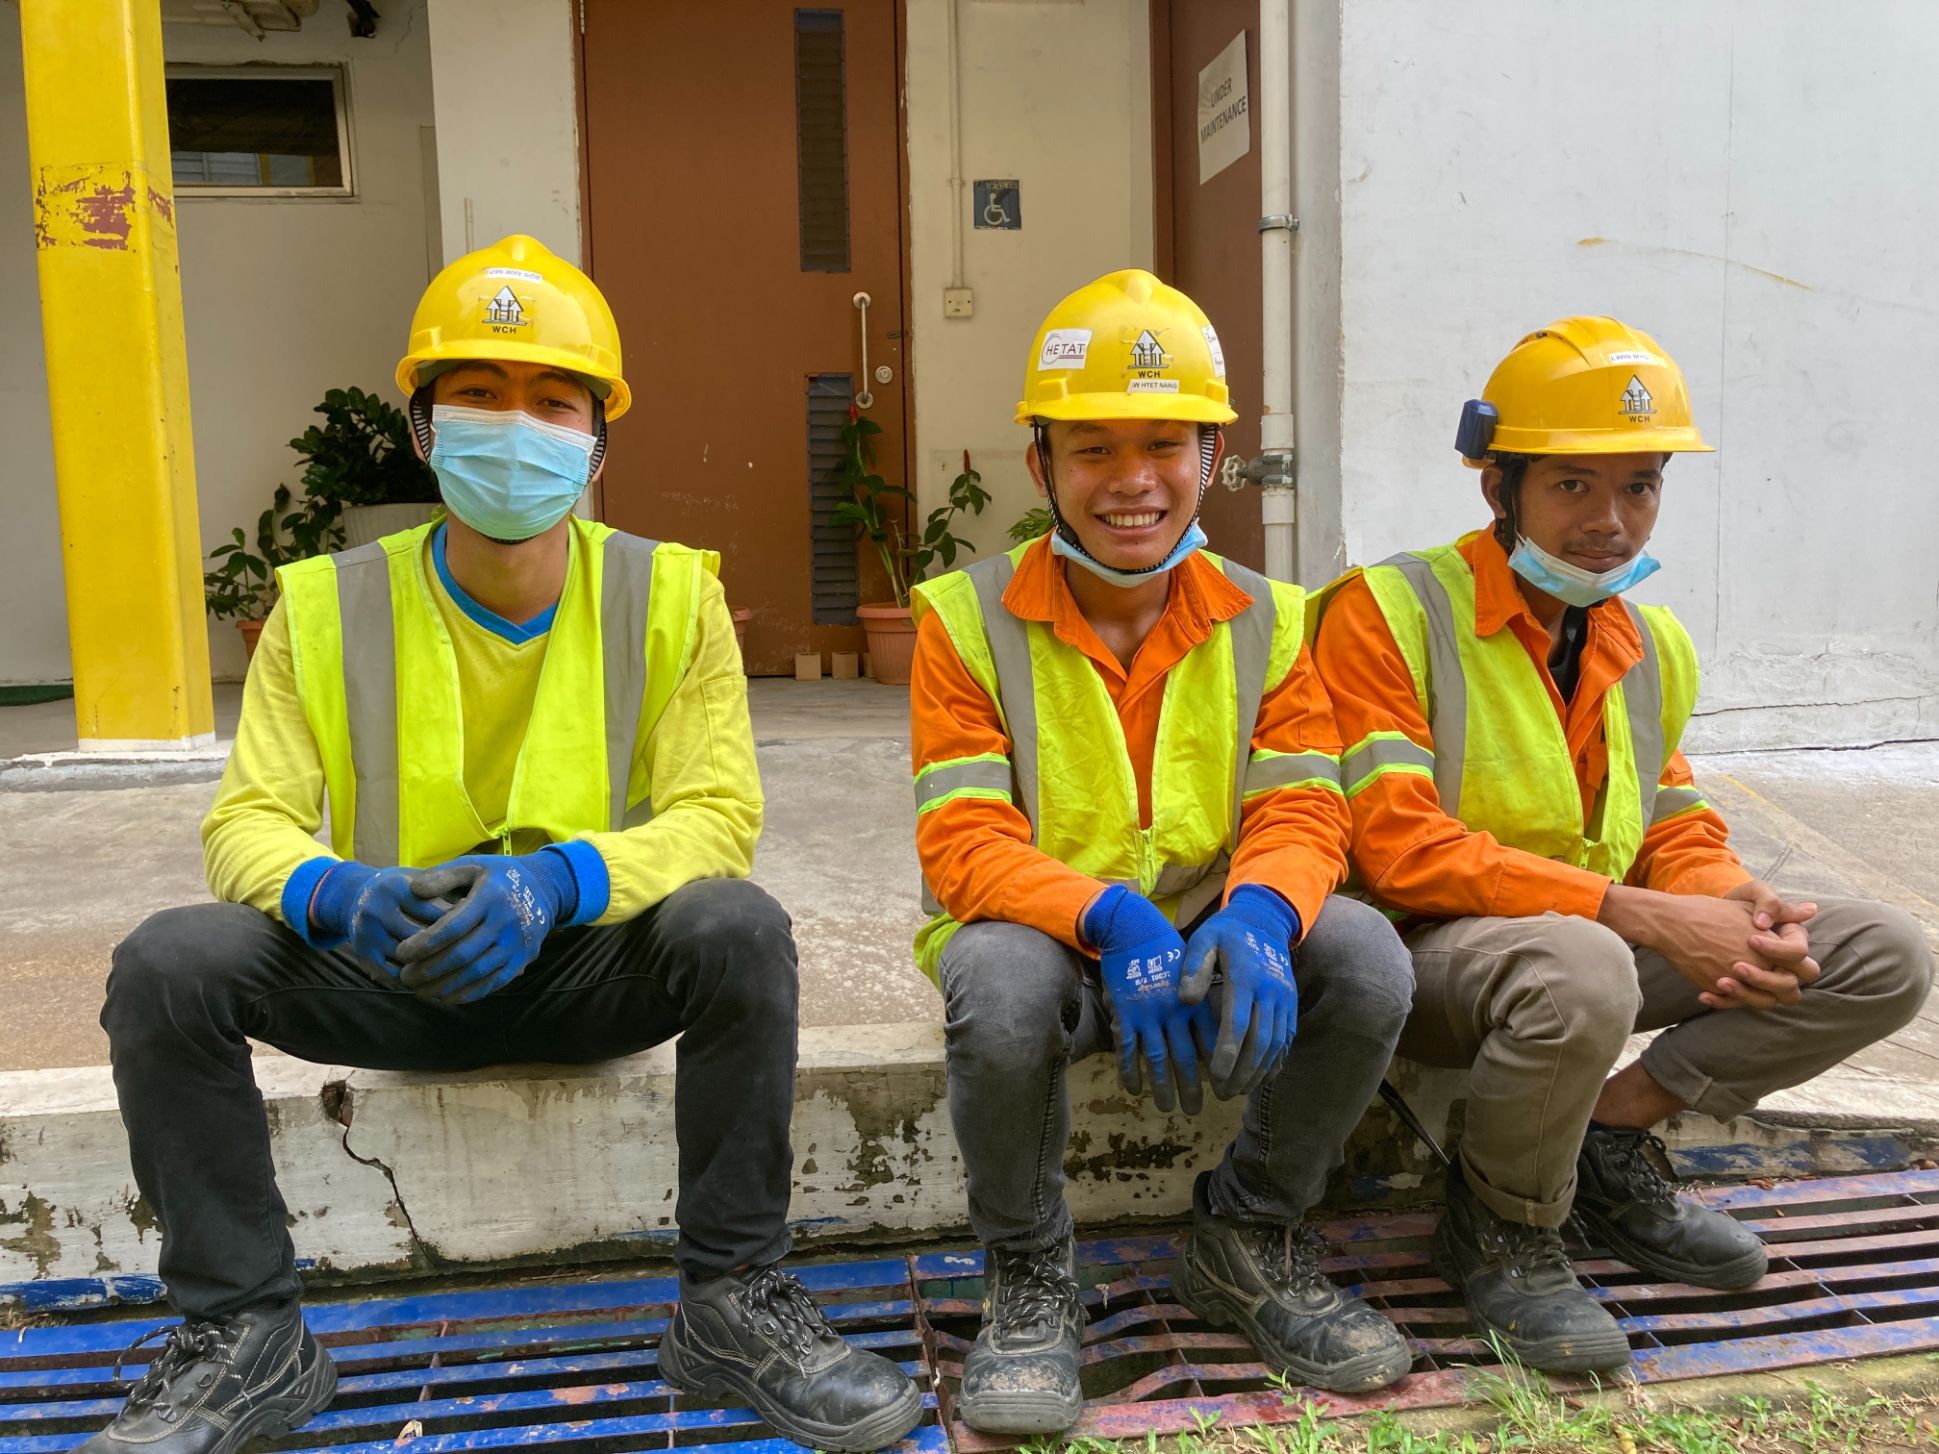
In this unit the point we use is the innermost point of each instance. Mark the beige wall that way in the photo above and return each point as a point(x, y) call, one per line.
point(506, 168)
point(283, 299)
point(1056, 93)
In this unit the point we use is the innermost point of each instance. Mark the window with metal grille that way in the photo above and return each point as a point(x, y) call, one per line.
point(832, 572)
point(252, 130)
point(821, 140)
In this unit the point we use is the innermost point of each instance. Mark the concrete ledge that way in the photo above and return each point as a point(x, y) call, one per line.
point(390, 1173)
point(49, 772)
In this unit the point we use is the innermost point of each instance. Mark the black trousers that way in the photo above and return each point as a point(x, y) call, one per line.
point(713, 963)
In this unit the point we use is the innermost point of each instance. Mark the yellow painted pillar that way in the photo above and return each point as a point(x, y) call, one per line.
point(117, 372)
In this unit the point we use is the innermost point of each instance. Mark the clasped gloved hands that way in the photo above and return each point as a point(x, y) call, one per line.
point(1141, 961)
point(454, 933)
point(1252, 940)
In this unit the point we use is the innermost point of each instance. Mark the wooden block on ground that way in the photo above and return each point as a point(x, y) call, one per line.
point(844, 666)
point(807, 666)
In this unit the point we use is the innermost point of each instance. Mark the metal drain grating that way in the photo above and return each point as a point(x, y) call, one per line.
point(1854, 1272)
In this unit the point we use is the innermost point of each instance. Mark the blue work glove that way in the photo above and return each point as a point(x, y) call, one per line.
point(1140, 960)
point(502, 909)
point(373, 910)
point(1253, 941)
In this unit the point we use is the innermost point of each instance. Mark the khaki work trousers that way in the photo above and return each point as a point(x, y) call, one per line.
point(1538, 1009)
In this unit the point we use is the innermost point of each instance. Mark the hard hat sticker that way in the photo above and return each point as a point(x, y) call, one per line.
point(1148, 353)
point(1637, 403)
point(1218, 354)
point(1151, 386)
point(519, 273)
point(1636, 356)
point(504, 312)
point(1065, 348)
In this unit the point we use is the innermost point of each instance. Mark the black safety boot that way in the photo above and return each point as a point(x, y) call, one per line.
point(1518, 1285)
point(1624, 1201)
point(758, 1338)
point(1264, 1278)
point(219, 1383)
point(1021, 1375)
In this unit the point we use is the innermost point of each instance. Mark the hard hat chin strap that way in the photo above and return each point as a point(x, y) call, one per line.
point(1512, 467)
point(426, 436)
point(1208, 453)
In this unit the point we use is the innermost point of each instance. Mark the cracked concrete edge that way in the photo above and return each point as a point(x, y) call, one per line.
point(389, 1172)
point(56, 772)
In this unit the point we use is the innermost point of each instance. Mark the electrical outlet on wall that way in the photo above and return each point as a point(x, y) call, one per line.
point(958, 302)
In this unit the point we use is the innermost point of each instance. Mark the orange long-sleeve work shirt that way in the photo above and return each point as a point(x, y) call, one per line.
point(1416, 859)
point(976, 852)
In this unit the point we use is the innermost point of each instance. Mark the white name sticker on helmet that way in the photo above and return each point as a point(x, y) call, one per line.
point(1218, 354)
point(1151, 386)
point(1065, 348)
point(1636, 356)
point(515, 273)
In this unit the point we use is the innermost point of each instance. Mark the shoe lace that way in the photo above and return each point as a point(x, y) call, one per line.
point(1032, 1288)
point(783, 1309)
point(188, 1344)
point(1629, 1156)
point(1287, 1252)
point(1531, 1249)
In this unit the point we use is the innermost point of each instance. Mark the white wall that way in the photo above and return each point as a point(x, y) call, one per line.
point(1754, 187)
point(1056, 93)
point(510, 159)
point(283, 300)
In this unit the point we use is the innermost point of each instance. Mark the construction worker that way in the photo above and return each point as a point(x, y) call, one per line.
point(1520, 804)
point(1130, 820)
point(531, 734)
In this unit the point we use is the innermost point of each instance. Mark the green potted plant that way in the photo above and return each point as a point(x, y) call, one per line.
point(360, 459)
point(876, 510)
point(241, 586)
point(1031, 523)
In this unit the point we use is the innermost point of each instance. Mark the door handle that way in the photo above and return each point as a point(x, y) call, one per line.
point(863, 398)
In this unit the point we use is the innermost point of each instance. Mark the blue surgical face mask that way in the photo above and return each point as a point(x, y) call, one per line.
point(505, 474)
point(1193, 542)
point(1573, 584)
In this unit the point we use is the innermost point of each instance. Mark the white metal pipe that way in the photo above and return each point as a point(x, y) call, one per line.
point(1276, 234)
point(955, 146)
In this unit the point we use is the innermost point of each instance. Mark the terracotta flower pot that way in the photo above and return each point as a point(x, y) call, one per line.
point(741, 618)
point(250, 631)
point(892, 640)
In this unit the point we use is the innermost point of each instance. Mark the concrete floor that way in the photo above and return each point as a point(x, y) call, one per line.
point(82, 866)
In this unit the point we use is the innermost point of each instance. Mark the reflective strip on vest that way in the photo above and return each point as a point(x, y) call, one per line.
point(1009, 640)
point(1252, 632)
point(370, 697)
point(1269, 770)
point(1673, 802)
point(625, 593)
point(986, 776)
point(1642, 693)
point(1379, 753)
point(370, 682)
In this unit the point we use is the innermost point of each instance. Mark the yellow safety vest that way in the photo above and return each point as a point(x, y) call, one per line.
point(1075, 782)
point(378, 683)
point(1501, 761)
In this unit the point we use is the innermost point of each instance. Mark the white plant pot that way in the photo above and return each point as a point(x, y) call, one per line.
point(364, 523)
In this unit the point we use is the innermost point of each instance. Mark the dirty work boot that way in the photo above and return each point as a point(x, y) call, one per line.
point(1519, 1285)
point(1625, 1202)
point(219, 1383)
point(1265, 1279)
point(759, 1339)
point(1021, 1376)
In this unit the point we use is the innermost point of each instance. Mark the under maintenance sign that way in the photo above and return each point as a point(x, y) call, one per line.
point(1224, 118)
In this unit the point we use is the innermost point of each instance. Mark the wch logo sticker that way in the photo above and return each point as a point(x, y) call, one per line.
point(1637, 403)
point(504, 312)
point(1148, 353)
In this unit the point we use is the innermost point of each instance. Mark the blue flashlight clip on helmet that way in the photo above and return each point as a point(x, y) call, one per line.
point(1477, 429)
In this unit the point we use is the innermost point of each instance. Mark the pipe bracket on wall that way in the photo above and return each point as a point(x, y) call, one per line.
point(1271, 470)
point(1279, 222)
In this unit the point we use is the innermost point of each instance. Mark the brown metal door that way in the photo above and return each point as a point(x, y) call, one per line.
point(743, 184)
point(1212, 231)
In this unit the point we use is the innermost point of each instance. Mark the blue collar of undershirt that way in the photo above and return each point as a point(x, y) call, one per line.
point(493, 622)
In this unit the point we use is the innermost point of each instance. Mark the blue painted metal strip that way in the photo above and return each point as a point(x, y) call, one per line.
point(1825, 1189)
point(1785, 1350)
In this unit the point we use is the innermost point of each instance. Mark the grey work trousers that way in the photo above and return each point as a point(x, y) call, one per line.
point(1019, 1007)
point(1538, 1009)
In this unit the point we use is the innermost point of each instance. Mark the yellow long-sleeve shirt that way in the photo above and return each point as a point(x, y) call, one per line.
point(258, 840)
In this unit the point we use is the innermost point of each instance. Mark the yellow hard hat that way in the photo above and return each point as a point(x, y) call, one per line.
point(1126, 347)
point(517, 302)
point(1581, 386)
